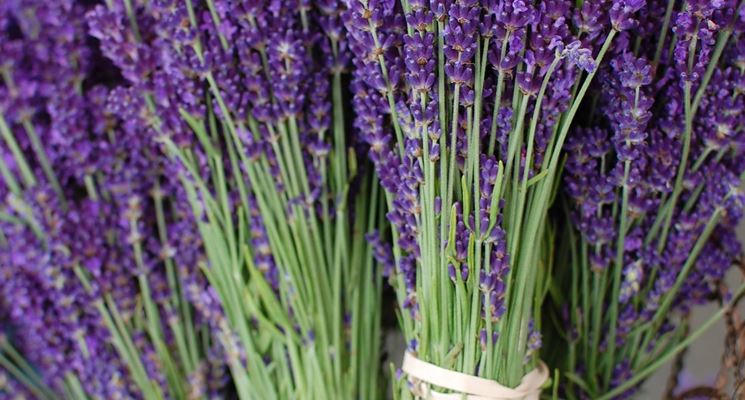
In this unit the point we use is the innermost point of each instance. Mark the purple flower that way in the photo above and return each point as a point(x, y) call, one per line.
point(622, 13)
point(579, 56)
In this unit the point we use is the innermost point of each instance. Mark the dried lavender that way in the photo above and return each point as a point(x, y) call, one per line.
point(465, 106)
point(653, 200)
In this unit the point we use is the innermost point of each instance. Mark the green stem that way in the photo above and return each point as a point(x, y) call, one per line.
point(46, 166)
point(26, 174)
point(663, 32)
point(678, 187)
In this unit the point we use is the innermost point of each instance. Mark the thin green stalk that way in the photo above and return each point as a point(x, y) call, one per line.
point(41, 392)
point(340, 164)
point(721, 43)
point(132, 19)
point(523, 191)
point(218, 24)
point(25, 216)
point(157, 195)
point(21, 366)
point(617, 271)
point(498, 97)
point(663, 32)
point(26, 174)
point(10, 180)
point(678, 186)
point(453, 139)
point(75, 387)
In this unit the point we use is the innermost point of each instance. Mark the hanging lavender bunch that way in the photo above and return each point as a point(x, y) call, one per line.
point(466, 106)
point(653, 196)
point(246, 97)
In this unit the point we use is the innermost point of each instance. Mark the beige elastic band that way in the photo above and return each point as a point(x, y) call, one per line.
point(469, 387)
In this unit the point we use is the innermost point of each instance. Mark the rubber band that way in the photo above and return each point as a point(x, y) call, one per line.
point(469, 387)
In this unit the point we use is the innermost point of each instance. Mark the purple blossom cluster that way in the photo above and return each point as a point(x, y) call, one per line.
point(47, 106)
point(44, 87)
point(654, 176)
point(84, 185)
point(51, 318)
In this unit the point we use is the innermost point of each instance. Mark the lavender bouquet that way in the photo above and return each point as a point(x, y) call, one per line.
point(653, 197)
point(246, 97)
point(91, 305)
point(466, 106)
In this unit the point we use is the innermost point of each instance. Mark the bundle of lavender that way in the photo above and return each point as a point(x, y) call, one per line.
point(93, 295)
point(247, 98)
point(466, 106)
point(653, 182)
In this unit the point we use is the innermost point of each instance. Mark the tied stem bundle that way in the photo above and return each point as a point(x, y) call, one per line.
point(466, 106)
